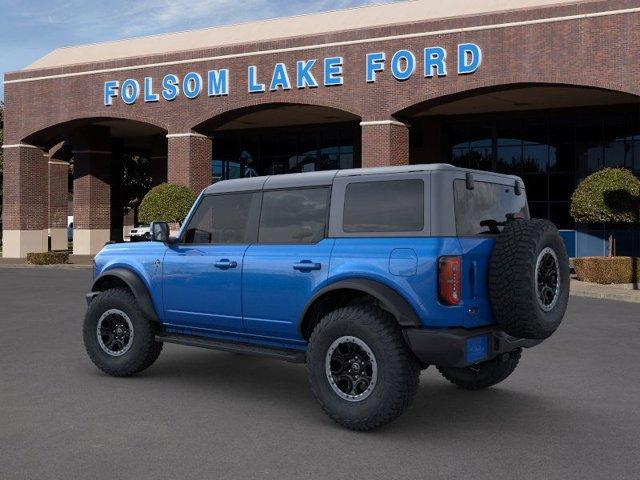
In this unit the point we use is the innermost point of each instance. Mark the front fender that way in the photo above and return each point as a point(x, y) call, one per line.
point(135, 284)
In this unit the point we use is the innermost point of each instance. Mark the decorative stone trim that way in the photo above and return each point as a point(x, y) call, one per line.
point(189, 134)
point(383, 122)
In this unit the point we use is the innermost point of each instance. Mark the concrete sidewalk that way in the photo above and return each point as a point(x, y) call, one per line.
point(622, 292)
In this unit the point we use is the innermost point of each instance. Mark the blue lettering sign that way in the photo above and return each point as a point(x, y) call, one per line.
point(304, 76)
point(218, 82)
point(110, 92)
point(403, 64)
point(192, 85)
point(130, 91)
point(333, 71)
point(170, 87)
point(149, 96)
point(435, 58)
point(280, 78)
point(254, 86)
point(469, 58)
point(375, 63)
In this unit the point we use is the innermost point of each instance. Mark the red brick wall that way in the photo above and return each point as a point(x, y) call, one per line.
point(189, 162)
point(25, 192)
point(58, 188)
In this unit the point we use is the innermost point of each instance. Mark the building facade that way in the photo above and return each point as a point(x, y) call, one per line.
point(547, 89)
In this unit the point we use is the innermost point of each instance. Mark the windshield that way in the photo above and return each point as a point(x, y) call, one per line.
point(484, 210)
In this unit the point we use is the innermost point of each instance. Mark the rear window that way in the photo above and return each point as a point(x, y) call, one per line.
point(483, 210)
point(388, 206)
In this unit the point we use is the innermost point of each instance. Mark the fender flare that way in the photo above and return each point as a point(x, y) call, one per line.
point(395, 303)
point(135, 284)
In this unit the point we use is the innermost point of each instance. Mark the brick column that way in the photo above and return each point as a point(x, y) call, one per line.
point(189, 160)
point(384, 143)
point(24, 201)
point(58, 189)
point(158, 160)
point(91, 200)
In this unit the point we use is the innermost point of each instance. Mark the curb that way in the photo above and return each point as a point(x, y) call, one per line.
point(604, 292)
point(66, 266)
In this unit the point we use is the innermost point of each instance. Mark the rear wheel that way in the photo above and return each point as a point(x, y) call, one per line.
point(485, 374)
point(118, 337)
point(360, 369)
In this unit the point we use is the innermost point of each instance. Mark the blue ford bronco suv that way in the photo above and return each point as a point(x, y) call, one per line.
point(366, 275)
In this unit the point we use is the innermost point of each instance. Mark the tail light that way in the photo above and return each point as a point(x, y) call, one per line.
point(449, 273)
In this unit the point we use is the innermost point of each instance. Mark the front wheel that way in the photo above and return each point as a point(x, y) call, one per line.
point(485, 374)
point(360, 369)
point(118, 337)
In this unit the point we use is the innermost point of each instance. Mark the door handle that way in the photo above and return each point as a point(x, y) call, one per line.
point(225, 264)
point(306, 266)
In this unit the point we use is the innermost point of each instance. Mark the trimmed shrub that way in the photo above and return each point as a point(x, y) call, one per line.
point(607, 270)
point(48, 258)
point(610, 195)
point(166, 202)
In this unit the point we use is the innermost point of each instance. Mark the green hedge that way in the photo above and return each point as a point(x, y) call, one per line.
point(610, 195)
point(166, 202)
point(48, 258)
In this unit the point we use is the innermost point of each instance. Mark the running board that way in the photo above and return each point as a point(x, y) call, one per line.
point(293, 356)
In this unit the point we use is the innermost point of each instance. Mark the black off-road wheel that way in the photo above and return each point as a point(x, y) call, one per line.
point(118, 337)
point(529, 279)
point(360, 369)
point(485, 374)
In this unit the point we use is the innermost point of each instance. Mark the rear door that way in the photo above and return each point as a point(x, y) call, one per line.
point(289, 261)
point(202, 274)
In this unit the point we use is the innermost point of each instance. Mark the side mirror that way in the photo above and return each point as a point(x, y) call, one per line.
point(159, 232)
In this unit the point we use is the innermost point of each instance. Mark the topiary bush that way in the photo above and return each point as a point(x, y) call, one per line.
point(611, 195)
point(166, 202)
point(48, 258)
point(607, 270)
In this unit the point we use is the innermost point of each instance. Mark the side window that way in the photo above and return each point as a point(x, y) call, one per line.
point(225, 219)
point(384, 206)
point(294, 216)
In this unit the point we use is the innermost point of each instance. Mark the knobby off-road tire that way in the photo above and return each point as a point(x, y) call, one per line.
point(120, 358)
point(529, 279)
point(485, 374)
point(354, 330)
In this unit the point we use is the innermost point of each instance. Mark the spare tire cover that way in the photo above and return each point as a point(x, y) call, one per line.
point(529, 279)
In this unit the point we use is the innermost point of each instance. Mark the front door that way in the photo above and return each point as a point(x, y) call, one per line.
point(290, 260)
point(202, 274)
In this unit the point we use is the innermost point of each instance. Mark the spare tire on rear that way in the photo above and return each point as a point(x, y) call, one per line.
point(529, 279)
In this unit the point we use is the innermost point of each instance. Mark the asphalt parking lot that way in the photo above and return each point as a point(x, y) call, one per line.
point(571, 410)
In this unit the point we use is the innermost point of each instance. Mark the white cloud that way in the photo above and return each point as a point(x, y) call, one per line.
point(124, 18)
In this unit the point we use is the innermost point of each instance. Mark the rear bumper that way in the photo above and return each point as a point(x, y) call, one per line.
point(458, 347)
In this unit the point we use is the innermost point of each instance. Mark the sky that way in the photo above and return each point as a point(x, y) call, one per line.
point(30, 29)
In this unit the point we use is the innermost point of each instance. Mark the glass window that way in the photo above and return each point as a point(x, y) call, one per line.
point(294, 216)
point(224, 219)
point(391, 206)
point(485, 208)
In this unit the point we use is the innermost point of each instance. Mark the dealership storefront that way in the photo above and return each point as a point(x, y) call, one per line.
point(547, 90)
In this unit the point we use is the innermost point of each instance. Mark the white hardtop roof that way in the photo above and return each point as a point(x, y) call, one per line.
point(273, 29)
point(325, 178)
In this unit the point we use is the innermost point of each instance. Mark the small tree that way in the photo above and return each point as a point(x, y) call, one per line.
point(166, 202)
point(610, 196)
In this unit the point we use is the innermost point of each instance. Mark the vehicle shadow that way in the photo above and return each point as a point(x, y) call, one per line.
point(439, 407)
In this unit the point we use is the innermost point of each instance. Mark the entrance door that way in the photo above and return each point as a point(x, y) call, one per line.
point(289, 261)
point(202, 273)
